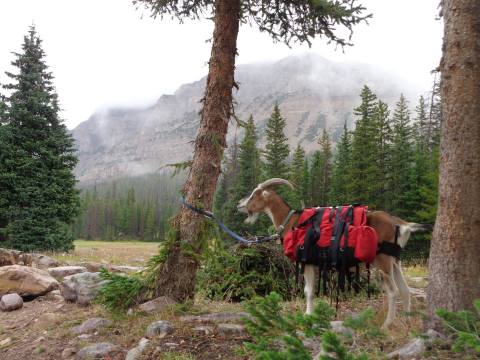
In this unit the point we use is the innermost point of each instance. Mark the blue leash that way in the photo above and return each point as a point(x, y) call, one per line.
point(225, 229)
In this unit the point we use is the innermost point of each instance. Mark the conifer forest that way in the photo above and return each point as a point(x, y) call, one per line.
point(239, 179)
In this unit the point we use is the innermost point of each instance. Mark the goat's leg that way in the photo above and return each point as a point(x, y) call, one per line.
point(390, 288)
point(309, 276)
point(402, 285)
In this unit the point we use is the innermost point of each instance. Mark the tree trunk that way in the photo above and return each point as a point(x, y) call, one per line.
point(454, 266)
point(176, 276)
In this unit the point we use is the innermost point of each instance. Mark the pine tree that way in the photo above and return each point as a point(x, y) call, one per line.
point(379, 155)
point(248, 177)
point(341, 166)
point(316, 176)
point(296, 176)
point(402, 159)
point(362, 144)
point(326, 163)
point(276, 150)
point(304, 187)
point(43, 196)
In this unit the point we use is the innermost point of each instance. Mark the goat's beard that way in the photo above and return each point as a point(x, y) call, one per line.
point(252, 218)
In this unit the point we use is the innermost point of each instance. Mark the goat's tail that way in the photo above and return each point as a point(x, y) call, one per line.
point(408, 228)
point(414, 227)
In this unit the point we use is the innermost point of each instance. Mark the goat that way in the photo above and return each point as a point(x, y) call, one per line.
point(264, 199)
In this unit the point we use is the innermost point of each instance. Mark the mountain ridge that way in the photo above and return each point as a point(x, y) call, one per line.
point(312, 92)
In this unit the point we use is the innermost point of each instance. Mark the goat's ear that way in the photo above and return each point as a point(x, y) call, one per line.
point(265, 193)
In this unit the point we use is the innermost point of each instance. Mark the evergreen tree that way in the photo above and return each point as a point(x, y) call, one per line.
point(276, 150)
point(43, 199)
point(326, 164)
point(402, 159)
point(304, 187)
point(362, 144)
point(249, 173)
point(296, 176)
point(379, 155)
point(316, 176)
point(340, 170)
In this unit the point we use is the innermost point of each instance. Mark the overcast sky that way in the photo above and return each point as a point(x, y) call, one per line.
point(103, 53)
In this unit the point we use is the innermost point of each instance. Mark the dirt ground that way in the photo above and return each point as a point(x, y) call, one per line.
point(42, 328)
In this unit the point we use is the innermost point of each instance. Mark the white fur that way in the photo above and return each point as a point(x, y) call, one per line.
point(309, 276)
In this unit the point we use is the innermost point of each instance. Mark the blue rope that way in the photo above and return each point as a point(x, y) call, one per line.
point(225, 229)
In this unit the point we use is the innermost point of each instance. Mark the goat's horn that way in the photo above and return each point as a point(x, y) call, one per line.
point(276, 181)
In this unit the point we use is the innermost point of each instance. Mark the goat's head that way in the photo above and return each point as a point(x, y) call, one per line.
point(259, 199)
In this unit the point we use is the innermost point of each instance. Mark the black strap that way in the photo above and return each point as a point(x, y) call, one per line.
point(336, 235)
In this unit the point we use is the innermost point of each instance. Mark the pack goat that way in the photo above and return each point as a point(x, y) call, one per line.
point(265, 199)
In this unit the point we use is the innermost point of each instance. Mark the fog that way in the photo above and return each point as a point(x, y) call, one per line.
point(104, 54)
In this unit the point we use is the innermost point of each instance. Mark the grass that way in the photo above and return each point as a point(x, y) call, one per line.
point(134, 253)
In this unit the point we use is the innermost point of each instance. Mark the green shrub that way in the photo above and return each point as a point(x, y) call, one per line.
point(243, 272)
point(120, 292)
point(276, 336)
point(466, 324)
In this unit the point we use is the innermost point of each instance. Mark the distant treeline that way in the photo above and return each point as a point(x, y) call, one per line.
point(134, 208)
point(388, 161)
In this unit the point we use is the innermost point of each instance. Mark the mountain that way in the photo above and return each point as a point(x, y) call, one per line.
point(312, 92)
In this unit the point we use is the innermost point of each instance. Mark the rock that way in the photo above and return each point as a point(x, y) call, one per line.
point(92, 266)
point(81, 288)
point(215, 317)
point(68, 353)
point(314, 345)
point(98, 351)
point(39, 261)
point(159, 329)
point(339, 328)
point(90, 325)
point(231, 329)
point(84, 337)
point(156, 305)
point(11, 302)
point(25, 281)
point(8, 257)
point(5, 342)
point(46, 320)
point(136, 352)
point(125, 269)
point(60, 272)
point(414, 349)
point(203, 330)
point(419, 294)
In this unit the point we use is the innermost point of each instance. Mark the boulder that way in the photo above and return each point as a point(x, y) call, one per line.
point(62, 271)
point(156, 305)
point(215, 317)
point(159, 329)
point(413, 350)
point(124, 268)
point(25, 281)
point(68, 352)
point(90, 325)
point(8, 257)
point(203, 330)
point(81, 288)
point(92, 266)
point(136, 352)
point(339, 328)
point(11, 302)
point(39, 261)
point(231, 329)
point(98, 351)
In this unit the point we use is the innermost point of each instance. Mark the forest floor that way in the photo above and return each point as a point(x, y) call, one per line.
point(42, 328)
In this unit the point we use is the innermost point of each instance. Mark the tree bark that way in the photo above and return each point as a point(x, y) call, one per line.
point(454, 266)
point(176, 276)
